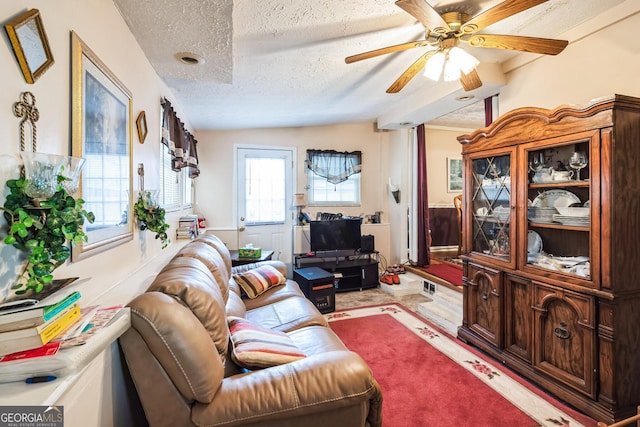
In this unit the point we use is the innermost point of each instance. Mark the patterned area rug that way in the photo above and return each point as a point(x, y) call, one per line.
point(429, 378)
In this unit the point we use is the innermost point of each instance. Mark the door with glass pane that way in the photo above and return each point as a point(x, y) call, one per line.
point(264, 200)
point(492, 207)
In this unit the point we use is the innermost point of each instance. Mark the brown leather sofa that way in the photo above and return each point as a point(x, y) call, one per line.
point(178, 352)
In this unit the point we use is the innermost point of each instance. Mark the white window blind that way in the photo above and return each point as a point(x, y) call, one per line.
point(170, 182)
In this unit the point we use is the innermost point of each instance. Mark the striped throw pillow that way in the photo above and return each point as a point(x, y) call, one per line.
point(258, 280)
point(255, 347)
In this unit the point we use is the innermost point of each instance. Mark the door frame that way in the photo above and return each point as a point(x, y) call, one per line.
point(291, 187)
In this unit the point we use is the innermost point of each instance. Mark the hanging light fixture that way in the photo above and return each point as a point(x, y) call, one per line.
point(451, 61)
point(433, 67)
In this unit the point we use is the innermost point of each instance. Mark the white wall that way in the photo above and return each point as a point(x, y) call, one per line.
point(604, 63)
point(100, 26)
point(441, 144)
point(215, 149)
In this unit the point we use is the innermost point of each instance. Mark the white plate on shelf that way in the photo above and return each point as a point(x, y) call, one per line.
point(534, 242)
point(555, 198)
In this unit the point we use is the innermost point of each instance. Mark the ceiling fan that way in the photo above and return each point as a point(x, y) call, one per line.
point(445, 32)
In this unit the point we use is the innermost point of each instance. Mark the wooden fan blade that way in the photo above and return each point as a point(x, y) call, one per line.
point(498, 13)
point(384, 51)
point(470, 81)
point(410, 72)
point(427, 15)
point(522, 43)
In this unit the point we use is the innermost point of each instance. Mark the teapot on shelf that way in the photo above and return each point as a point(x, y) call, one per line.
point(543, 175)
point(550, 174)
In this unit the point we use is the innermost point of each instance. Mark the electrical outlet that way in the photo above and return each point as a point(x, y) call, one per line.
point(428, 287)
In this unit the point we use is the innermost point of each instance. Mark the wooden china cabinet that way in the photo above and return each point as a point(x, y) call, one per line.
point(552, 262)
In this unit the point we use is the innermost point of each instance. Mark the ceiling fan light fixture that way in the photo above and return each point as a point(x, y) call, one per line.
point(451, 70)
point(463, 60)
point(433, 67)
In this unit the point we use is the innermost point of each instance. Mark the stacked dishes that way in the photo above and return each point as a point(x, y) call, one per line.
point(575, 216)
point(542, 214)
point(546, 208)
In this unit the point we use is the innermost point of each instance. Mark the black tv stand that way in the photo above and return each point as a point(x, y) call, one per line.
point(358, 270)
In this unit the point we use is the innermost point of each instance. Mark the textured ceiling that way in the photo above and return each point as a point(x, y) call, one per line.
point(280, 63)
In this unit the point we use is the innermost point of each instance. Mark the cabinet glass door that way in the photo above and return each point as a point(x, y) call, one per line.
point(491, 213)
point(560, 215)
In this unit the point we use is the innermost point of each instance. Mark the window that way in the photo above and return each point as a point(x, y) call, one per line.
point(175, 187)
point(322, 192)
point(265, 190)
point(334, 177)
point(106, 187)
point(178, 161)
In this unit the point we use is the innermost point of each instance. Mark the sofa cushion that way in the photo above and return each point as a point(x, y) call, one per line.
point(217, 244)
point(258, 280)
point(255, 347)
point(235, 306)
point(287, 315)
point(274, 294)
point(178, 342)
point(212, 259)
point(279, 265)
point(197, 290)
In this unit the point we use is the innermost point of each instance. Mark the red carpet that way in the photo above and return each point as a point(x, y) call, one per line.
point(422, 386)
point(447, 271)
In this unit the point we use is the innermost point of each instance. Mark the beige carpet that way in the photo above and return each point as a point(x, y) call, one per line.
point(376, 296)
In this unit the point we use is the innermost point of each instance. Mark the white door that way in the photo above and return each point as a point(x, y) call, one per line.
point(265, 199)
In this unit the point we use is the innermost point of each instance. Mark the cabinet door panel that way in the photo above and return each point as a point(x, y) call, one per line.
point(485, 316)
point(518, 316)
point(564, 337)
point(489, 213)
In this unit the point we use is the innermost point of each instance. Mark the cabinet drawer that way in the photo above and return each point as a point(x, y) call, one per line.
point(565, 337)
point(483, 302)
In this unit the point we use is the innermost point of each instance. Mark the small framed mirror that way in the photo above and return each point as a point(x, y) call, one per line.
point(30, 44)
point(141, 124)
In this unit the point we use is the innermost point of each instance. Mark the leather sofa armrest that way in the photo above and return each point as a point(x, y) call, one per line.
point(315, 384)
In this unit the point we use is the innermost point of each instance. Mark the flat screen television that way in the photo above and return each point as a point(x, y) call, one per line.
point(335, 235)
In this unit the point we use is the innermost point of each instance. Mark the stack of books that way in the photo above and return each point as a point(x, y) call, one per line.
point(29, 324)
point(71, 349)
point(187, 227)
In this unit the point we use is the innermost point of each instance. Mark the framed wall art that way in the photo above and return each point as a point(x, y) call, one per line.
point(454, 175)
point(141, 124)
point(102, 134)
point(30, 44)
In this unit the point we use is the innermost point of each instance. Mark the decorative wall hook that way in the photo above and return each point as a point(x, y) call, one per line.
point(141, 177)
point(26, 110)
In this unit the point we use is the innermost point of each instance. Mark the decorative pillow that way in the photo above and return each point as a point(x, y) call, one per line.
point(259, 279)
point(256, 347)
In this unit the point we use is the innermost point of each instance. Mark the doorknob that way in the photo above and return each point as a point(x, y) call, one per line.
point(241, 228)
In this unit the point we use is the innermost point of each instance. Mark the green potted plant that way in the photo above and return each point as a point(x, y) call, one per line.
point(41, 229)
point(151, 216)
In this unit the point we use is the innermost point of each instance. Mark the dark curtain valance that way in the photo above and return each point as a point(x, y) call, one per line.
point(180, 143)
point(334, 166)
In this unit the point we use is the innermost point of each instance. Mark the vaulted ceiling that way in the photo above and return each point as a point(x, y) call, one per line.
point(280, 63)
